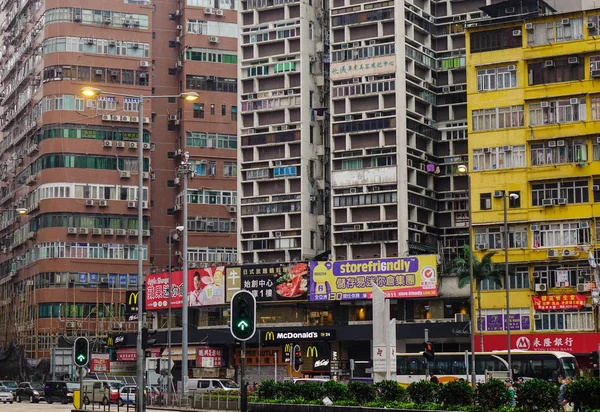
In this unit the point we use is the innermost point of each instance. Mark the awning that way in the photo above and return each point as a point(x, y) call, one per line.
point(176, 352)
point(130, 354)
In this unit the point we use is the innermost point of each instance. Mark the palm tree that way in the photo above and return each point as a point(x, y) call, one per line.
point(483, 270)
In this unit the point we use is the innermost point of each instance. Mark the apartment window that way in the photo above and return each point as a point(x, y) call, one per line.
point(352, 164)
point(212, 109)
point(172, 71)
point(595, 102)
point(514, 202)
point(131, 104)
point(555, 71)
point(558, 151)
point(172, 44)
point(548, 235)
point(498, 118)
point(310, 33)
point(519, 279)
point(211, 56)
point(489, 284)
point(496, 39)
point(564, 320)
point(172, 100)
point(562, 276)
point(211, 224)
point(200, 167)
point(493, 237)
point(594, 66)
point(214, 140)
point(497, 78)
point(212, 28)
point(555, 31)
point(560, 111)
point(212, 254)
point(485, 201)
point(211, 83)
point(229, 169)
point(223, 110)
point(212, 168)
point(572, 192)
point(199, 111)
point(502, 157)
point(234, 113)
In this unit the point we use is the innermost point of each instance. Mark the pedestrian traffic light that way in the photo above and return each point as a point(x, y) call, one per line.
point(428, 352)
point(81, 351)
point(297, 358)
point(147, 339)
point(594, 358)
point(243, 315)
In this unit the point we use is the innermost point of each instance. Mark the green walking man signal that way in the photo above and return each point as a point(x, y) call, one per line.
point(81, 351)
point(243, 315)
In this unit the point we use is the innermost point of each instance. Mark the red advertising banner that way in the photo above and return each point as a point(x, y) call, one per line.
point(558, 302)
point(206, 287)
point(100, 363)
point(209, 358)
point(571, 342)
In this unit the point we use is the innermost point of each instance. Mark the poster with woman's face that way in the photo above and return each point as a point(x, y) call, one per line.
point(207, 286)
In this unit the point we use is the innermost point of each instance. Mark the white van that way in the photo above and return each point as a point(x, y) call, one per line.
point(206, 385)
point(100, 391)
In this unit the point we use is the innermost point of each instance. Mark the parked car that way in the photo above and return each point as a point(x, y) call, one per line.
point(6, 395)
point(57, 391)
point(33, 391)
point(11, 386)
point(207, 385)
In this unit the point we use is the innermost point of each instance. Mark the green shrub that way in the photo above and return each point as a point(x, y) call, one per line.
point(267, 390)
point(286, 390)
point(537, 394)
point(456, 393)
point(492, 394)
point(390, 391)
point(311, 391)
point(336, 391)
point(361, 391)
point(584, 394)
point(423, 392)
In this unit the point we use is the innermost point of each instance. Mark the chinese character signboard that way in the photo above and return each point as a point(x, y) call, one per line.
point(364, 67)
point(412, 277)
point(206, 287)
point(209, 357)
point(572, 342)
point(100, 363)
point(279, 281)
point(233, 282)
point(558, 302)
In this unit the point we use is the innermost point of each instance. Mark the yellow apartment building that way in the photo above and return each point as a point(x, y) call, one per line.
point(533, 84)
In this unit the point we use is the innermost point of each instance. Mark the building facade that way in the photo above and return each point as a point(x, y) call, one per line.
point(531, 77)
point(72, 161)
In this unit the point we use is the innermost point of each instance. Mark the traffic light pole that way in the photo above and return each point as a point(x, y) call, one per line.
point(244, 392)
point(426, 360)
point(80, 406)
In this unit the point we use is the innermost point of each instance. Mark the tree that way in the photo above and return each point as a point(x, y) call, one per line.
point(484, 269)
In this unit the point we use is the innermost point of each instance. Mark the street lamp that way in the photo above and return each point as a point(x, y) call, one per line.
point(177, 229)
point(464, 171)
point(21, 210)
point(189, 96)
point(511, 196)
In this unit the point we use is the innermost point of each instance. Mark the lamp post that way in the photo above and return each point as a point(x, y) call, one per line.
point(511, 196)
point(169, 383)
point(464, 171)
point(190, 96)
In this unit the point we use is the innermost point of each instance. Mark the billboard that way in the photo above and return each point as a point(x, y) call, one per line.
point(410, 277)
point(558, 302)
point(273, 282)
point(206, 287)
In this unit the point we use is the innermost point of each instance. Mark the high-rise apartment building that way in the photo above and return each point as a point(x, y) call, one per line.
point(533, 135)
point(72, 161)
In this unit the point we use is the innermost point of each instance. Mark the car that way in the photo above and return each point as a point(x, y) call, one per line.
point(6, 395)
point(127, 395)
point(58, 391)
point(33, 391)
point(207, 385)
point(11, 386)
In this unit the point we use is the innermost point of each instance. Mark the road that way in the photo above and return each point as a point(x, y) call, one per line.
point(57, 407)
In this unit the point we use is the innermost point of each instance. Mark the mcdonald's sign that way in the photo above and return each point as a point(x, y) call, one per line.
point(300, 335)
point(131, 305)
point(312, 352)
point(270, 335)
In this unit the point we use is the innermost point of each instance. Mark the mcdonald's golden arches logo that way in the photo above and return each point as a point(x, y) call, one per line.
point(133, 298)
point(312, 352)
point(269, 335)
point(287, 348)
point(109, 341)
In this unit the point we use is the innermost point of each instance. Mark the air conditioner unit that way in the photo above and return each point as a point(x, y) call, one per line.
point(96, 231)
point(146, 146)
point(83, 231)
point(596, 188)
point(135, 45)
point(144, 204)
point(144, 63)
point(549, 63)
point(145, 233)
point(509, 10)
point(584, 225)
point(179, 64)
point(498, 194)
point(120, 143)
point(548, 202)
point(219, 12)
point(125, 118)
point(528, 26)
point(574, 100)
point(124, 174)
point(562, 201)
point(178, 12)
point(594, 74)
point(173, 117)
point(232, 209)
point(146, 175)
point(121, 232)
point(537, 316)
point(89, 202)
point(72, 230)
point(117, 325)
point(512, 68)
point(560, 143)
point(113, 43)
point(568, 253)
point(108, 143)
point(583, 287)
point(208, 10)
point(573, 60)
point(552, 143)
point(133, 232)
point(146, 120)
point(90, 41)
point(134, 119)
point(132, 205)
point(213, 39)
point(177, 39)
point(552, 253)
point(508, 148)
point(99, 72)
point(133, 145)
point(109, 232)
point(179, 27)
point(106, 117)
point(591, 25)
point(516, 33)
point(481, 246)
point(566, 22)
point(71, 325)
point(115, 118)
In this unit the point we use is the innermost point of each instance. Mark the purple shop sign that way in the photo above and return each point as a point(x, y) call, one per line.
point(525, 322)
point(515, 322)
point(494, 323)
